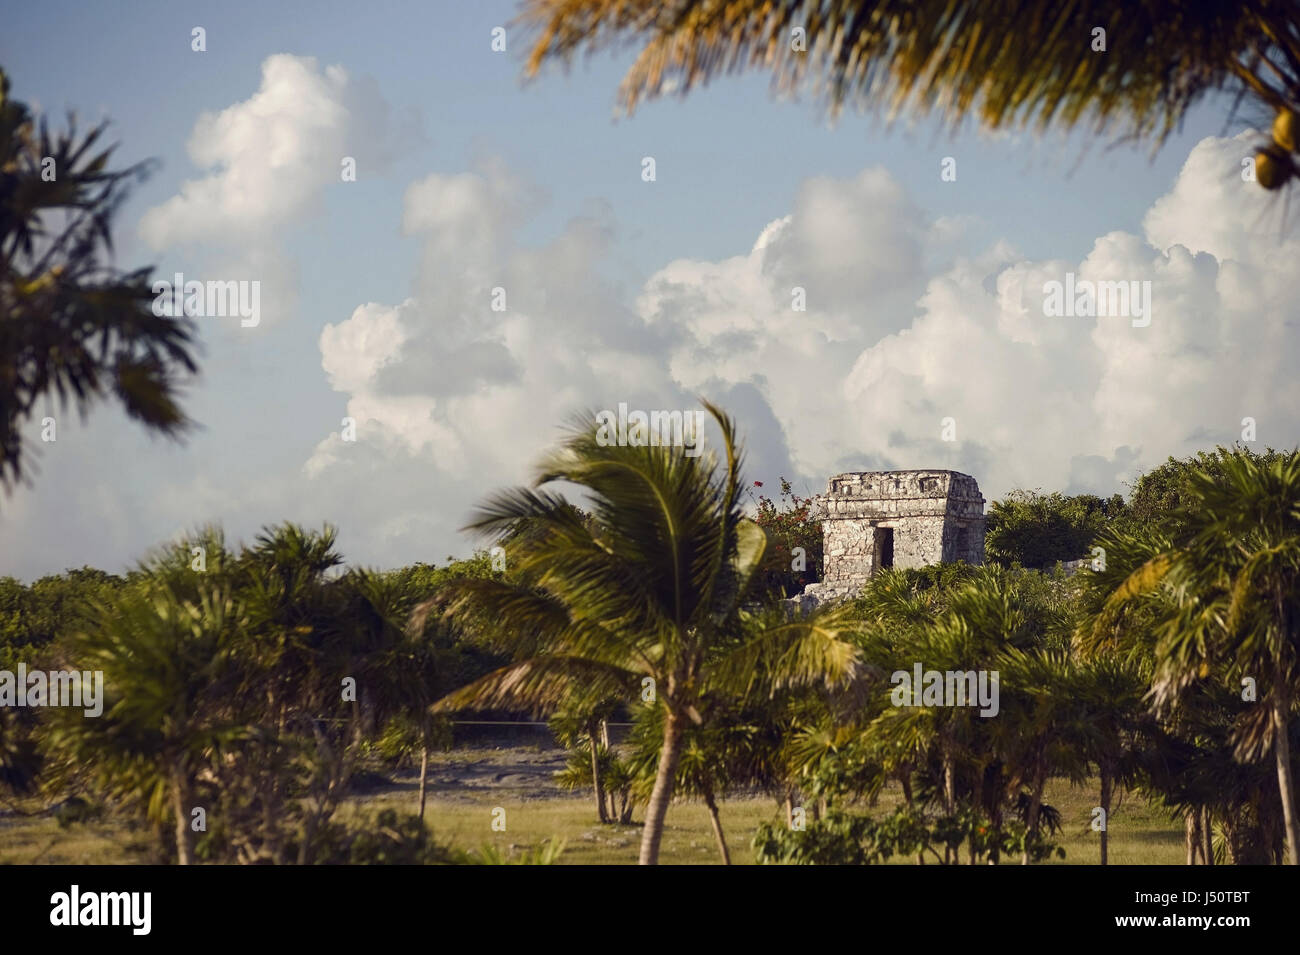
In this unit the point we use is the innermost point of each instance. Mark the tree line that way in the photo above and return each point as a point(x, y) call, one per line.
point(260, 682)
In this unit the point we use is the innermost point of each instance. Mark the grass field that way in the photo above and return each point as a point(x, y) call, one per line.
point(466, 786)
point(1139, 835)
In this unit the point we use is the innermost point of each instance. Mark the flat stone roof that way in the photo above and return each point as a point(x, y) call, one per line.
point(929, 483)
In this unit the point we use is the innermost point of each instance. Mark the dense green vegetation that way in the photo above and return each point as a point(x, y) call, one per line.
point(262, 682)
point(250, 682)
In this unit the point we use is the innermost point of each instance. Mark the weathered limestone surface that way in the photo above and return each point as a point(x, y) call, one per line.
point(873, 519)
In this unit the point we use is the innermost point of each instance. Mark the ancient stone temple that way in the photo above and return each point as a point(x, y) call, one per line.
point(877, 519)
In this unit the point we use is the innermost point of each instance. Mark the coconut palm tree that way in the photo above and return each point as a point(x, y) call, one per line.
point(1009, 64)
point(648, 599)
point(71, 324)
point(725, 751)
point(1233, 586)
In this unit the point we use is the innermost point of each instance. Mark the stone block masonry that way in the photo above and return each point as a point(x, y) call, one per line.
point(877, 519)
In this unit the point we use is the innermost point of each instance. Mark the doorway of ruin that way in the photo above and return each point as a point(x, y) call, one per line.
point(884, 548)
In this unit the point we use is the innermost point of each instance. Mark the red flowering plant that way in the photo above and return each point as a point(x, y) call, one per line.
point(794, 541)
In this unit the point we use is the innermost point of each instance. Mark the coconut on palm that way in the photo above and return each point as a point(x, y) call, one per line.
point(1273, 166)
point(1284, 130)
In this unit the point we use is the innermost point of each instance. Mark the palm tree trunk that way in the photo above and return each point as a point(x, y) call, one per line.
point(180, 805)
point(598, 782)
point(717, 827)
point(308, 837)
point(995, 829)
point(949, 795)
point(162, 845)
point(1207, 835)
point(657, 808)
point(424, 775)
point(271, 832)
point(949, 784)
point(1282, 752)
point(1035, 808)
point(625, 807)
point(1192, 824)
point(1106, 786)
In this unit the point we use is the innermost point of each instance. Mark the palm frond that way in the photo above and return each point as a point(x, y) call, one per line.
point(1009, 62)
point(540, 685)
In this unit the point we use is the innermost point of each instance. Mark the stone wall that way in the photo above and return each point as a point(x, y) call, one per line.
point(896, 518)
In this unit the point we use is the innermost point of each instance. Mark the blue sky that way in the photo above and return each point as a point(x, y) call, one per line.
point(732, 146)
point(427, 101)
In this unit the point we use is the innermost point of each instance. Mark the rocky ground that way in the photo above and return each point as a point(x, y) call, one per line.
point(470, 775)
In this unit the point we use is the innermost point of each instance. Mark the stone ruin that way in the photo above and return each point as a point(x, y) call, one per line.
point(878, 519)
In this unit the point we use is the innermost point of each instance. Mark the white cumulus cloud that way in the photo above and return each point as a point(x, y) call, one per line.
point(888, 347)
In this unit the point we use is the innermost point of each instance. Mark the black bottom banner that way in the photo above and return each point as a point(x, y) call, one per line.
point(223, 906)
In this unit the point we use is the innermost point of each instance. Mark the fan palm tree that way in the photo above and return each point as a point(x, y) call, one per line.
point(1233, 582)
point(988, 619)
point(168, 692)
point(1116, 648)
point(1112, 730)
point(1009, 63)
point(312, 633)
point(581, 729)
point(1047, 719)
point(20, 761)
point(1182, 757)
point(72, 325)
point(647, 599)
